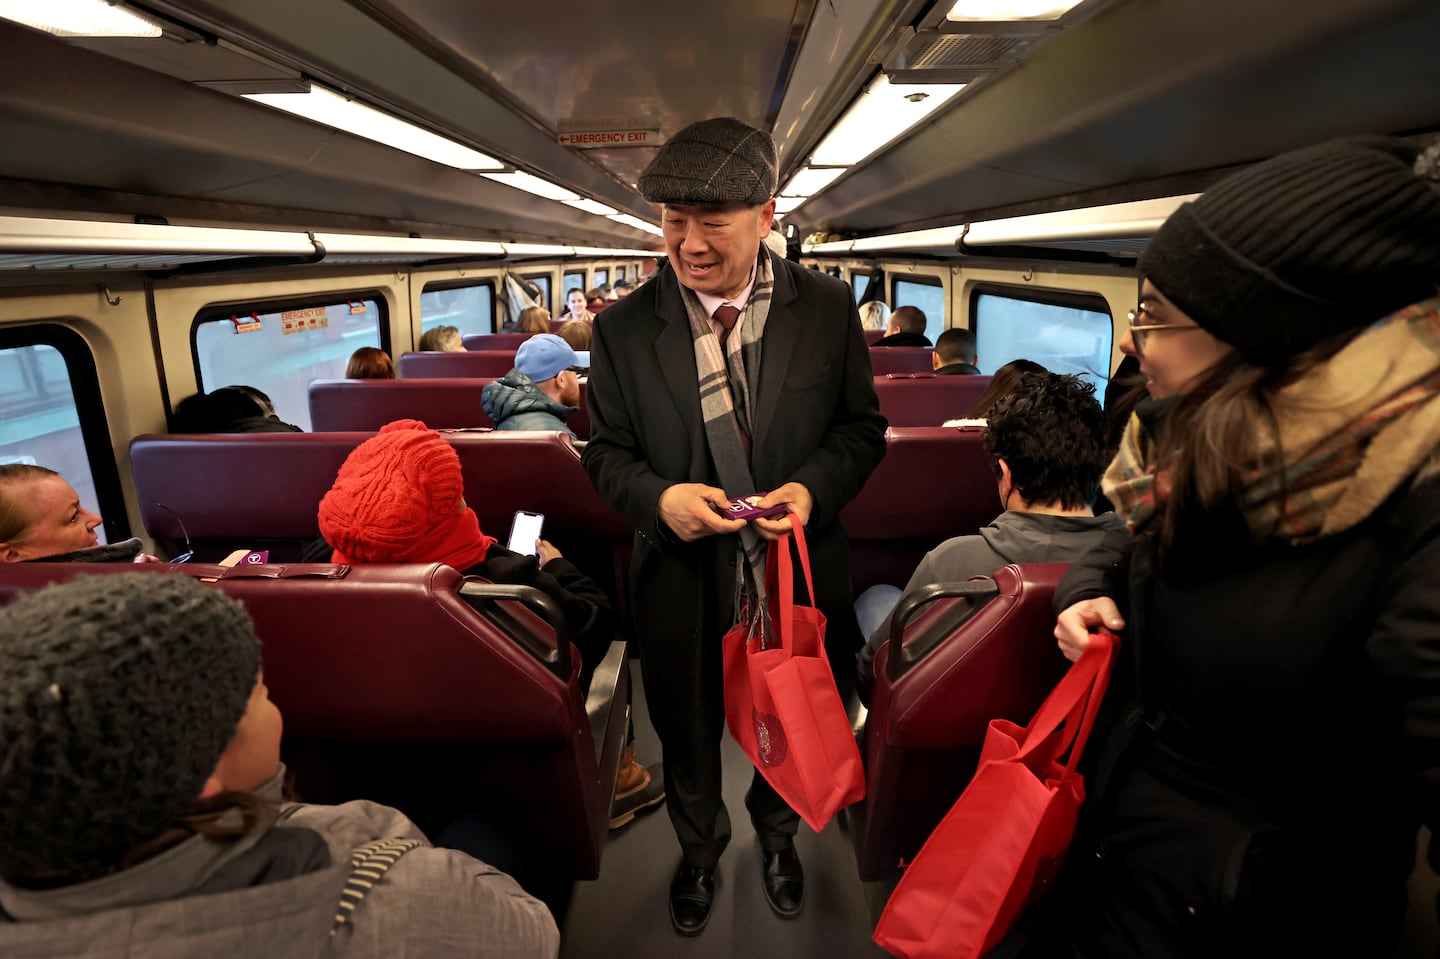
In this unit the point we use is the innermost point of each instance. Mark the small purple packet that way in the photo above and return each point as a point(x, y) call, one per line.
point(743, 507)
point(256, 558)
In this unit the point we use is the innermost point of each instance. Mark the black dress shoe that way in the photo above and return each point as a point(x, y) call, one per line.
point(692, 893)
point(784, 881)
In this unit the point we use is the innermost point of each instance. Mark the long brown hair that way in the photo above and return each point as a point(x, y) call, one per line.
point(1226, 429)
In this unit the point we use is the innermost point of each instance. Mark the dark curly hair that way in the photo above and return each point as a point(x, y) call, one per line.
point(1051, 431)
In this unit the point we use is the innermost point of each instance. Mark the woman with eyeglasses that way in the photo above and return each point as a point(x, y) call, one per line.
point(41, 520)
point(1270, 743)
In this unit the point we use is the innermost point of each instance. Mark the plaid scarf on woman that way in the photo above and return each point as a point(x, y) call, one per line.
point(728, 378)
point(1354, 429)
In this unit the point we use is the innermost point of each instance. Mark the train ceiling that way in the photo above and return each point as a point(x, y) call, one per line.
point(1120, 100)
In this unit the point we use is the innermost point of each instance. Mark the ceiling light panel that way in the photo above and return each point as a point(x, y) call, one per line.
point(334, 110)
point(539, 186)
point(809, 182)
point(636, 223)
point(784, 204)
point(883, 113)
point(1010, 9)
point(592, 206)
point(77, 18)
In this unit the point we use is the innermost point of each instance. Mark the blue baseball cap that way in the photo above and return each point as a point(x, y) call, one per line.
point(543, 356)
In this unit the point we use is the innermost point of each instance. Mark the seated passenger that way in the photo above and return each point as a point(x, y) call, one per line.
point(441, 339)
point(578, 334)
point(1048, 440)
point(399, 498)
point(874, 315)
point(955, 354)
point(906, 328)
point(230, 409)
point(142, 802)
point(623, 289)
point(534, 319)
point(575, 308)
point(370, 363)
point(42, 521)
point(1003, 383)
point(595, 301)
point(541, 391)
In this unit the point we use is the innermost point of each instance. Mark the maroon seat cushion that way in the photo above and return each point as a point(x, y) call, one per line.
point(494, 341)
point(927, 720)
point(337, 405)
point(923, 399)
point(901, 359)
point(478, 363)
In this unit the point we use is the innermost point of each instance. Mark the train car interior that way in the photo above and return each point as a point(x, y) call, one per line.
point(197, 194)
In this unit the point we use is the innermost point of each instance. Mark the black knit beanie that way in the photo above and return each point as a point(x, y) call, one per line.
point(1295, 250)
point(119, 695)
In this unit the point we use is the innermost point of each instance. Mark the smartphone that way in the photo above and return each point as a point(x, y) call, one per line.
point(743, 507)
point(525, 531)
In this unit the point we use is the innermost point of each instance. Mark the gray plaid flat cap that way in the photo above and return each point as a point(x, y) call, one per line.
point(720, 161)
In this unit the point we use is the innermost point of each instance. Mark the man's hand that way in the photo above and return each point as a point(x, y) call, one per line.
point(146, 558)
point(1076, 622)
point(694, 511)
point(793, 495)
point(546, 551)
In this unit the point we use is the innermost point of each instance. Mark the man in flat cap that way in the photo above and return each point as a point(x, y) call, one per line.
point(732, 372)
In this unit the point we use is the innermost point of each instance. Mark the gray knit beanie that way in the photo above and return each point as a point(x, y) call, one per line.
point(119, 695)
point(720, 161)
point(1295, 250)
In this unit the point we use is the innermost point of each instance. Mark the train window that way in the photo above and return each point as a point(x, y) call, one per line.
point(54, 418)
point(282, 350)
point(860, 284)
point(470, 308)
point(601, 278)
point(926, 293)
point(619, 273)
point(575, 281)
point(542, 280)
point(1063, 332)
point(834, 271)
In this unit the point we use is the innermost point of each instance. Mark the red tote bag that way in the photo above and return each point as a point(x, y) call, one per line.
point(781, 703)
point(1002, 842)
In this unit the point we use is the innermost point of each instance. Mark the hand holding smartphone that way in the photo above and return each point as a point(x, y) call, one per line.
point(524, 531)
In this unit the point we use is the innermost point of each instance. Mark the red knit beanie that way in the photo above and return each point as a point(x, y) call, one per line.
point(397, 499)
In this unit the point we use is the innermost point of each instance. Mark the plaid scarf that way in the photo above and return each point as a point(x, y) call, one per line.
point(1355, 429)
point(728, 377)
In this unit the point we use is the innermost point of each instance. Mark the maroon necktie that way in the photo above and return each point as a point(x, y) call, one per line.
point(726, 315)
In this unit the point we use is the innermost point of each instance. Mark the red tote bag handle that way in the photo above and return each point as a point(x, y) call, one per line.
point(784, 571)
point(1075, 701)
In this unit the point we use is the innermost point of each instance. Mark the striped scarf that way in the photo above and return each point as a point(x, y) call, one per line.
point(728, 377)
point(1355, 429)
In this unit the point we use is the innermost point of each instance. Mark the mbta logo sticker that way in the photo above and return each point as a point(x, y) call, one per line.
point(769, 737)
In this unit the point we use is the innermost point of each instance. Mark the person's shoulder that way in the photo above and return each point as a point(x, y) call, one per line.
point(960, 557)
point(808, 281)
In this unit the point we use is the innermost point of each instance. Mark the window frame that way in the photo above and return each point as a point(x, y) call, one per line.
point(90, 408)
point(1064, 299)
point(542, 280)
point(458, 283)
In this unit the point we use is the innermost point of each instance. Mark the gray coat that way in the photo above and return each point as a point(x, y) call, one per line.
point(1013, 537)
point(275, 893)
point(514, 402)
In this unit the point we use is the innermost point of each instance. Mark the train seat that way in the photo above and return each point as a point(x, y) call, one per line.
point(924, 399)
point(262, 491)
point(935, 482)
point(872, 335)
point(494, 341)
point(480, 363)
point(901, 359)
point(441, 696)
point(965, 661)
point(454, 403)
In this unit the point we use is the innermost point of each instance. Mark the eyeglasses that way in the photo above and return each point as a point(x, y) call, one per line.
point(189, 553)
point(1138, 330)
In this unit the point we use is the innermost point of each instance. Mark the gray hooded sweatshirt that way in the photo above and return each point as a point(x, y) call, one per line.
point(275, 893)
point(1013, 537)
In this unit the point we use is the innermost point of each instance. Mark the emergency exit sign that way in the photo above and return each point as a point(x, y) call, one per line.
point(609, 139)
